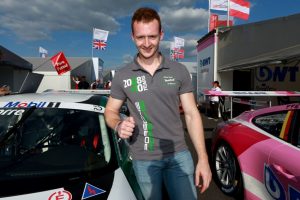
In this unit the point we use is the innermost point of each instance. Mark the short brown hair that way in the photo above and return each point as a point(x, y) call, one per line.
point(145, 15)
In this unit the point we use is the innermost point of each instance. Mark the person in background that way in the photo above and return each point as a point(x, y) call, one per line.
point(83, 84)
point(107, 85)
point(76, 81)
point(153, 86)
point(215, 100)
point(4, 90)
point(97, 84)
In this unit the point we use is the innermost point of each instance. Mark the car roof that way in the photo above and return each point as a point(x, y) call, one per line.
point(248, 115)
point(278, 108)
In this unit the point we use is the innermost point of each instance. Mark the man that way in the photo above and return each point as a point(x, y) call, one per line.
point(97, 84)
point(4, 90)
point(76, 81)
point(83, 84)
point(215, 101)
point(153, 86)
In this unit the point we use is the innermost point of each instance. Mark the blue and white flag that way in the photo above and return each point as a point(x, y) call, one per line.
point(99, 34)
point(43, 52)
point(219, 5)
point(179, 42)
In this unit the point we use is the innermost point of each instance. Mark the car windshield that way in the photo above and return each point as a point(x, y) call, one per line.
point(52, 140)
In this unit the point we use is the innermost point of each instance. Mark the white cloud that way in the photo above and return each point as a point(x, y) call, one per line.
point(184, 19)
point(164, 44)
point(37, 20)
point(34, 20)
point(127, 58)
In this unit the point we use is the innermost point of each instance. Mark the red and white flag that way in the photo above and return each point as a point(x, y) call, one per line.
point(180, 53)
point(175, 52)
point(239, 9)
point(219, 21)
point(60, 63)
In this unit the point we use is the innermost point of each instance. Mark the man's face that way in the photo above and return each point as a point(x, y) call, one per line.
point(147, 37)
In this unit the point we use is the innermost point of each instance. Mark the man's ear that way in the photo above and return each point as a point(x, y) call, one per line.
point(132, 36)
point(162, 35)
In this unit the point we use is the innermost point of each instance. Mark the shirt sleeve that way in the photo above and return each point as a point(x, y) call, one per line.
point(186, 81)
point(116, 90)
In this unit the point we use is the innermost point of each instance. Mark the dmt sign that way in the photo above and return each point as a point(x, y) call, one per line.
point(277, 74)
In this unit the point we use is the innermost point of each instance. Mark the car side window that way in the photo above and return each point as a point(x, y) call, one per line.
point(272, 123)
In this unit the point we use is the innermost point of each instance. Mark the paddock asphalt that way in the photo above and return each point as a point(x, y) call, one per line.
point(213, 192)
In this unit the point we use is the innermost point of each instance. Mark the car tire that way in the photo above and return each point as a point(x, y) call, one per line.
point(226, 170)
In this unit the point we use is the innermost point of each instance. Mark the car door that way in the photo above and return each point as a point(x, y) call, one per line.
point(125, 162)
point(282, 173)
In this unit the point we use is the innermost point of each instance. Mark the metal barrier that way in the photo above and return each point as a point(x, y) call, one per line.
point(233, 94)
point(95, 91)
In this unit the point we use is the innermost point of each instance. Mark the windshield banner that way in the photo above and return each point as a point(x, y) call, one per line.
point(44, 104)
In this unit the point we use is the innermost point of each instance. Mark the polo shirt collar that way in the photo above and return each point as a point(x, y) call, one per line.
point(163, 65)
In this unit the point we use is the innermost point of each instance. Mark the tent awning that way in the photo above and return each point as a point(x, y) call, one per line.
point(266, 42)
point(9, 58)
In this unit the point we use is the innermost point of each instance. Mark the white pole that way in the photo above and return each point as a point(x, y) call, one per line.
point(228, 9)
point(92, 43)
point(208, 21)
point(170, 52)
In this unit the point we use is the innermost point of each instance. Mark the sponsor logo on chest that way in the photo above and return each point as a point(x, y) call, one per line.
point(169, 80)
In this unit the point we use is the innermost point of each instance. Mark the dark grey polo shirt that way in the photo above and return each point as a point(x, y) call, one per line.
point(153, 102)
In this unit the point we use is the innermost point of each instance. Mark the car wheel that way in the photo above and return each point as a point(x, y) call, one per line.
point(227, 171)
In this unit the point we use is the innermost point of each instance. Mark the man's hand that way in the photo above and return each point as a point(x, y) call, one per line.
point(202, 175)
point(126, 127)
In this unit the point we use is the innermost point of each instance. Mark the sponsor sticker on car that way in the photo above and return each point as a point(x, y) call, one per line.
point(44, 104)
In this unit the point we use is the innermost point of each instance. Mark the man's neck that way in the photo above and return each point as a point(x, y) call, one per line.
point(150, 64)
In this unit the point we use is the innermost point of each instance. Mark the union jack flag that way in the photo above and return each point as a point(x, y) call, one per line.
point(99, 44)
point(176, 53)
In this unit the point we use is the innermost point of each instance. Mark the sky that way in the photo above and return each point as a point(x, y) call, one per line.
point(67, 25)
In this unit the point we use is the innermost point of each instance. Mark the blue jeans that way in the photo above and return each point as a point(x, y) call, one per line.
point(176, 172)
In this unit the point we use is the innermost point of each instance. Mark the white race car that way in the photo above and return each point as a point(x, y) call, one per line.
point(56, 145)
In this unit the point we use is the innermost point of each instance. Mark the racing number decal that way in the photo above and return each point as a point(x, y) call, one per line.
point(127, 83)
point(137, 84)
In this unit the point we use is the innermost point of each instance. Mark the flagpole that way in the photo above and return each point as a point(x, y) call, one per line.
point(228, 9)
point(93, 42)
point(170, 52)
point(208, 24)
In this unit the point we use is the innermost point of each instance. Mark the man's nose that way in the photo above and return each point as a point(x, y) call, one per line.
point(146, 41)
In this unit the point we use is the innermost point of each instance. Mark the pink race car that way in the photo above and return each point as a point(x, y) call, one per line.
point(257, 154)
